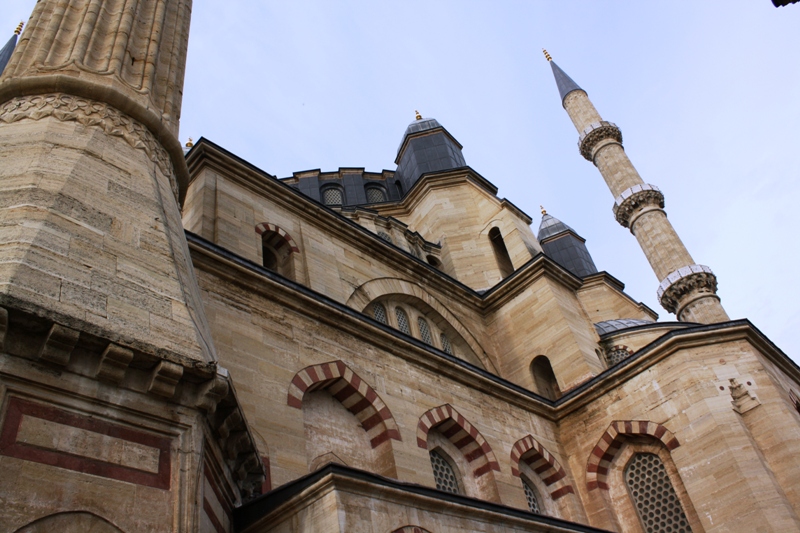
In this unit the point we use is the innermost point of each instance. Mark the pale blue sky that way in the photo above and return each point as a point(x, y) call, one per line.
point(707, 95)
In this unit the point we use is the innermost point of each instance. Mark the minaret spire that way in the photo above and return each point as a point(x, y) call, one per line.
point(686, 289)
point(8, 49)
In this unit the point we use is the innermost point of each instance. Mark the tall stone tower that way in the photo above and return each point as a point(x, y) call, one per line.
point(686, 289)
point(108, 368)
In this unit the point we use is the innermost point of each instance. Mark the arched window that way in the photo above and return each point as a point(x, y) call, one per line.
point(544, 378)
point(446, 346)
point(379, 313)
point(435, 263)
point(424, 331)
point(375, 194)
point(333, 196)
point(277, 249)
point(399, 186)
point(402, 320)
point(531, 495)
point(443, 473)
point(653, 495)
point(501, 253)
point(385, 236)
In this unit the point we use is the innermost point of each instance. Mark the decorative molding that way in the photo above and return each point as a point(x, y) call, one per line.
point(114, 362)
point(213, 391)
point(594, 133)
point(461, 433)
point(68, 108)
point(164, 379)
point(58, 345)
point(634, 199)
point(609, 444)
point(531, 452)
point(684, 281)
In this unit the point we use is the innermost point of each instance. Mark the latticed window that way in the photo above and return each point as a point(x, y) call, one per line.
point(424, 331)
point(654, 496)
point(402, 320)
point(531, 496)
point(375, 195)
point(385, 236)
point(617, 356)
point(379, 313)
point(446, 348)
point(443, 473)
point(332, 196)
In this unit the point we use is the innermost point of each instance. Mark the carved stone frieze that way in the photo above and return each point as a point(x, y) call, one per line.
point(635, 198)
point(91, 113)
point(594, 133)
point(683, 282)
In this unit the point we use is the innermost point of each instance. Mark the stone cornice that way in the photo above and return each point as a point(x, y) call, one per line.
point(297, 494)
point(84, 88)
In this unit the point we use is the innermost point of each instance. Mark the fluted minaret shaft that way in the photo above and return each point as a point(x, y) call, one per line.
point(686, 289)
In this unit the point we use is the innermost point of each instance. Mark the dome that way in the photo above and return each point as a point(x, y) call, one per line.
point(610, 326)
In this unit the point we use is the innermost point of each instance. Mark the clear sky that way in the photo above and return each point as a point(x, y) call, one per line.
point(707, 95)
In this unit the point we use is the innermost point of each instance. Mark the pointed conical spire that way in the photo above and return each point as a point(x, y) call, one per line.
point(565, 84)
point(5, 52)
point(563, 245)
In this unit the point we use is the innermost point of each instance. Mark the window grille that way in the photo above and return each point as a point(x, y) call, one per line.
point(402, 320)
point(617, 356)
point(443, 473)
point(446, 348)
point(530, 495)
point(379, 313)
point(385, 236)
point(424, 331)
point(332, 196)
point(375, 195)
point(654, 496)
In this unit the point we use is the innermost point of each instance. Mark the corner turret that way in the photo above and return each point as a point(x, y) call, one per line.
point(426, 147)
point(563, 245)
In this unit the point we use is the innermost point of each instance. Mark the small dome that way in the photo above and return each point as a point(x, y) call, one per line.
point(551, 226)
point(419, 125)
point(610, 326)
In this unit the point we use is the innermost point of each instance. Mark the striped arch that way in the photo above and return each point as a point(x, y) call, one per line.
point(411, 529)
point(462, 434)
point(278, 238)
point(353, 393)
point(611, 441)
point(553, 475)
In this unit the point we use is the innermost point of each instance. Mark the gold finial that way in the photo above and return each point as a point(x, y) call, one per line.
point(546, 55)
point(189, 144)
point(418, 117)
point(544, 211)
point(19, 28)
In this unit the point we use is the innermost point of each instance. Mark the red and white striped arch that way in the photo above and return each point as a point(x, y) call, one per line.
point(466, 437)
point(609, 444)
point(352, 392)
point(411, 529)
point(531, 452)
point(276, 237)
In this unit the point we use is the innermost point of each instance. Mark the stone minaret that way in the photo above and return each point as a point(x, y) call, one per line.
point(93, 174)
point(686, 289)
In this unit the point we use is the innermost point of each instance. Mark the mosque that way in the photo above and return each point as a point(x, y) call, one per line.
point(189, 343)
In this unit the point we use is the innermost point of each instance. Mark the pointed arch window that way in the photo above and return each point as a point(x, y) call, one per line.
point(443, 473)
point(446, 346)
point(402, 320)
point(379, 313)
point(424, 331)
point(654, 497)
point(532, 496)
point(544, 378)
